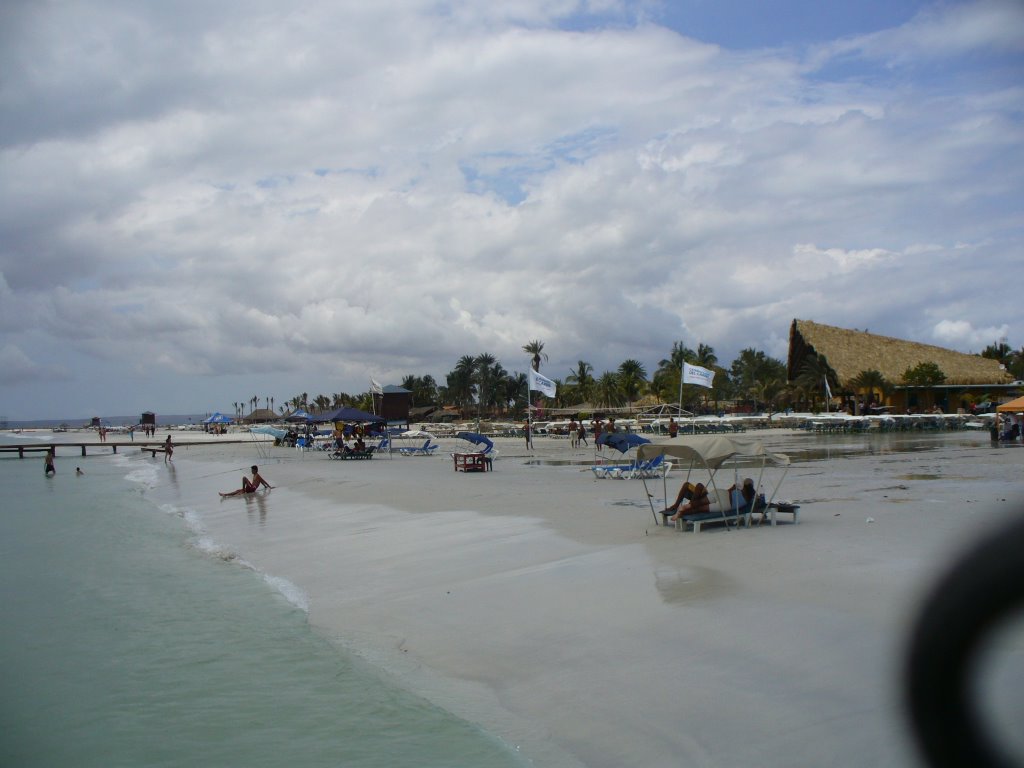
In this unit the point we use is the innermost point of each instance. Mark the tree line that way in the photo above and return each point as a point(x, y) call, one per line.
point(480, 386)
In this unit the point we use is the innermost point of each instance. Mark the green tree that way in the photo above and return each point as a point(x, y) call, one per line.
point(871, 381)
point(461, 383)
point(582, 381)
point(757, 376)
point(632, 380)
point(607, 390)
point(998, 350)
point(926, 374)
point(536, 351)
point(813, 374)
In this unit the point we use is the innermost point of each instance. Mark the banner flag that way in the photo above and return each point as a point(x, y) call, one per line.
point(542, 384)
point(376, 387)
point(828, 390)
point(694, 374)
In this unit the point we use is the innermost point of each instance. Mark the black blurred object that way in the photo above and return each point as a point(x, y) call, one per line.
point(979, 593)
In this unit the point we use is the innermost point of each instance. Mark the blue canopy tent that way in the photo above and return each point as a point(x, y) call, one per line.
point(299, 415)
point(348, 413)
point(218, 418)
point(478, 439)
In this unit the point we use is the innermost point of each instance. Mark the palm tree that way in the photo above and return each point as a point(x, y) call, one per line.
point(871, 380)
point(754, 374)
point(461, 384)
point(236, 409)
point(632, 379)
point(582, 380)
point(607, 388)
point(536, 351)
point(813, 374)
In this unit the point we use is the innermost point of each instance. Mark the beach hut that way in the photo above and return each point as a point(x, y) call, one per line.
point(851, 352)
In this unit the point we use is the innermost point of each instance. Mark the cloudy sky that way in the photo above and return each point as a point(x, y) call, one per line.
point(202, 202)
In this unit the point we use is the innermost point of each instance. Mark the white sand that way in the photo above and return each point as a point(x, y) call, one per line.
point(548, 606)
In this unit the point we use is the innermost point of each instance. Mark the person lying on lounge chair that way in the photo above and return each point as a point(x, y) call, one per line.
point(250, 486)
point(691, 500)
point(747, 489)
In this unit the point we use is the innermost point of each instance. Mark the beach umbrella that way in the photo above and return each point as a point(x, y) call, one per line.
point(477, 439)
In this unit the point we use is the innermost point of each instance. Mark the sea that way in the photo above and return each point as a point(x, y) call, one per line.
point(128, 640)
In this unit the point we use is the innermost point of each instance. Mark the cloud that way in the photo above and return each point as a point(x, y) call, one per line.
point(17, 368)
point(239, 193)
point(960, 333)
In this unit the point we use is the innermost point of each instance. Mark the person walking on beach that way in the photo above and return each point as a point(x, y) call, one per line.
point(673, 429)
point(48, 468)
point(574, 434)
point(168, 449)
point(581, 434)
point(250, 486)
point(526, 430)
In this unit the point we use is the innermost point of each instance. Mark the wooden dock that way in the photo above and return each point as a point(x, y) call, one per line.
point(151, 447)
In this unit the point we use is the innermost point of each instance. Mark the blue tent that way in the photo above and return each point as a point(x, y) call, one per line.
point(349, 413)
point(218, 418)
point(299, 415)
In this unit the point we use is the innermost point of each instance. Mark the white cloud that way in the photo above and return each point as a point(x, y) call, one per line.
point(301, 197)
point(961, 333)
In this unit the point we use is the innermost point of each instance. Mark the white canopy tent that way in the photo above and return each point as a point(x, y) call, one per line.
point(710, 453)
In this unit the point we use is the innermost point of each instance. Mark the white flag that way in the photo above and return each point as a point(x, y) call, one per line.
point(828, 390)
point(694, 374)
point(375, 386)
point(541, 384)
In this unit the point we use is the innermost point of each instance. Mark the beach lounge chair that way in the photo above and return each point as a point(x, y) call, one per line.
point(423, 450)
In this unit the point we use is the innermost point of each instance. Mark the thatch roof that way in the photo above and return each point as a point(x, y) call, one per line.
point(262, 414)
point(849, 352)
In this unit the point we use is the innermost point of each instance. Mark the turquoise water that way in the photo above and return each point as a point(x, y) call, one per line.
point(122, 644)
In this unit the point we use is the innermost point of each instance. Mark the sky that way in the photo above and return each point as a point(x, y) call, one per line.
point(205, 202)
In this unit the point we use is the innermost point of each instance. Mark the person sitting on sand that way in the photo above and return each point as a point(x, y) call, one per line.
point(250, 486)
point(695, 498)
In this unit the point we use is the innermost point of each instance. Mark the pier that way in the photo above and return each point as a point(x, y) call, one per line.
point(146, 446)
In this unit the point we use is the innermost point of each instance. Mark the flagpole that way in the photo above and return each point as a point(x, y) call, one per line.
point(529, 412)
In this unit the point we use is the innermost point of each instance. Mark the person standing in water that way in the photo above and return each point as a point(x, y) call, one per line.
point(168, 449)
point(250, 486)
point(48, 468)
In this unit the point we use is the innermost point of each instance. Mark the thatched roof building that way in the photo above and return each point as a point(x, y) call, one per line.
point(261, 415)
point(849, 352)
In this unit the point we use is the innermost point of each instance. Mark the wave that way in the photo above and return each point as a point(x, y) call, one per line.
point(208, 546)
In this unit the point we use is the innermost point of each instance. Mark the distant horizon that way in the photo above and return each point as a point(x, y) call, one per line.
point(117, 421)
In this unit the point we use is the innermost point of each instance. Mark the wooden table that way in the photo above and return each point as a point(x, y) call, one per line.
point(471, 462)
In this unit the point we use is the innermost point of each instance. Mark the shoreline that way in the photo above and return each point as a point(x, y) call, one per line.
point(545, 605)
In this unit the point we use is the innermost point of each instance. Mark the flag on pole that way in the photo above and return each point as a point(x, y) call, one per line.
point(828, 390)
point(376, 387)
point(542, 384)
point(694, 374)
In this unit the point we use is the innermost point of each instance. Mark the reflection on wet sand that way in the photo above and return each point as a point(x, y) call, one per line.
point(692, 584)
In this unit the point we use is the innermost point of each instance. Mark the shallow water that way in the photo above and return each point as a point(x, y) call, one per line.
point(129, 641)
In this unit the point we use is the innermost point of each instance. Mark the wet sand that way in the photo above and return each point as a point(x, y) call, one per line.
point(547, 605)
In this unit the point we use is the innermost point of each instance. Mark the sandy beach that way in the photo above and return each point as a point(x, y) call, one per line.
point(549, 607)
